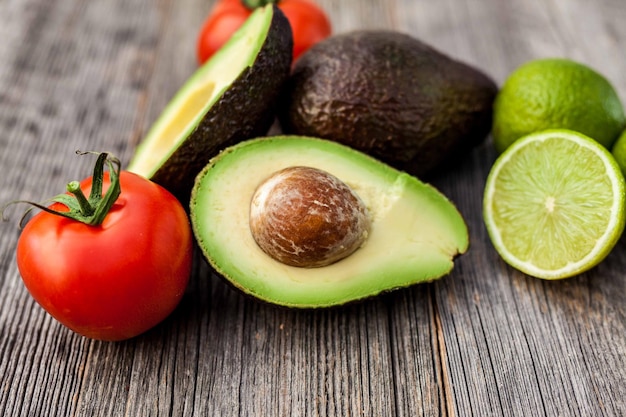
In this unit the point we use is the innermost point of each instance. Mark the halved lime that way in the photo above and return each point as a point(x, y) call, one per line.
point(554, 204)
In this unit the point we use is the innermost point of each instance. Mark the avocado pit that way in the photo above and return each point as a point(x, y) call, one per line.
point(306, 217)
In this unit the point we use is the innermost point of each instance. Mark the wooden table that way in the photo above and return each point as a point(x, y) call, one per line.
point(484, 341)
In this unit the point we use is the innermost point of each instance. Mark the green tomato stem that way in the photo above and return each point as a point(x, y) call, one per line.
point(86, 208)
point(93, 210)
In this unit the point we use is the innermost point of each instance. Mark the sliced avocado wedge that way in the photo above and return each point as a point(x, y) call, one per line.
point(229, 99)
point(415, 232)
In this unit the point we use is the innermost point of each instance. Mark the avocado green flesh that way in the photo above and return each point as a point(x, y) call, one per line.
point(186, 110)
point(416, 232)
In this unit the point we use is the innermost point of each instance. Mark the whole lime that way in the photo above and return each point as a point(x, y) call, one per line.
point(556, 93)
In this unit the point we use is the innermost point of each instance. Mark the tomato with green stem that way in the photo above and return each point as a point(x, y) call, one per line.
point(112, 265)
point(309, 24)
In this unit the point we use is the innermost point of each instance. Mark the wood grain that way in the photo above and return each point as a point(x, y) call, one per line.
point(484, 341)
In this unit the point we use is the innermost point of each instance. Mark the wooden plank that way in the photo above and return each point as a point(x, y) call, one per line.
point(484, 341)
point(522, 346)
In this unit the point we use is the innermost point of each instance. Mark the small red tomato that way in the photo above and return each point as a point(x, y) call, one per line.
point(117, 279)
point(309, 24)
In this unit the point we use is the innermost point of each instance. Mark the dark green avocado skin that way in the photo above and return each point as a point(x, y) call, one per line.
point(247, 109)
point(391, 96)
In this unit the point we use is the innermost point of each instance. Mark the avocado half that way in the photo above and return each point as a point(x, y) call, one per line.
point(391, 96)
point(415, 235)
point(231, 98)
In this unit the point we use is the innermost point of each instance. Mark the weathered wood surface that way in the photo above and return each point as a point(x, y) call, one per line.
point(484, 341)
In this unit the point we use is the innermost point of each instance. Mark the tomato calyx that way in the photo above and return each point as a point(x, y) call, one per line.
point(89, 210)
point(253, 4)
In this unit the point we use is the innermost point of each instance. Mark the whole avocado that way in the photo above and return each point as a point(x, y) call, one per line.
point(389, 95)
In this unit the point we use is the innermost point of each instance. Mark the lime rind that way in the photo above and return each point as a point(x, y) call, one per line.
point(523, 187)
point(557, 93)
point(619, 151)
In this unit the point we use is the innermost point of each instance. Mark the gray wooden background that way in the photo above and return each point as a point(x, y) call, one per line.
point(484, 341)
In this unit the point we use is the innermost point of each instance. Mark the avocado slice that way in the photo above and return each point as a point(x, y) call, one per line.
point(392, 96)
point(415, 232)
point(231, 98)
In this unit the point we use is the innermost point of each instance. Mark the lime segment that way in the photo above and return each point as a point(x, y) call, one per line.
point(554, 204)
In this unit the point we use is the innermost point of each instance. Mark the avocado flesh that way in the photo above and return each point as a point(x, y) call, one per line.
point(231, 98)
point(391, 96)
point(415, 235)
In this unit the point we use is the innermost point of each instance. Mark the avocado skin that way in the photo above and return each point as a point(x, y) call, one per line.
point(247, 109)
point(391, 96)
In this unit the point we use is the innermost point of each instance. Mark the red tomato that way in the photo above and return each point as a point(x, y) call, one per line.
point(115, 280)
point(308, 22)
